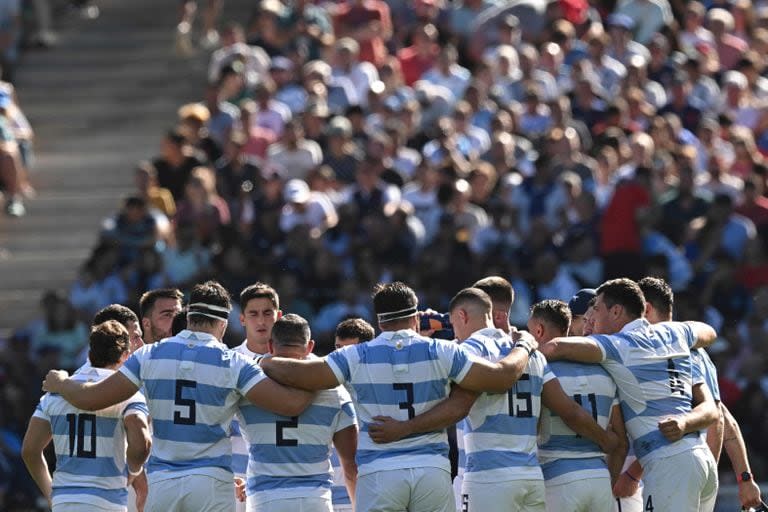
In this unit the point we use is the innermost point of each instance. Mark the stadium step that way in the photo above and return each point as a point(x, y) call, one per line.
point(99, 102)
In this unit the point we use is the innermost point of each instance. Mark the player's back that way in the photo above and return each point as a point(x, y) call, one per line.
point(399, 374)
point(500, 430)
point(289, 457)
point(193, 383)
point(566, 456)
point(651, 365)
point(90, 447)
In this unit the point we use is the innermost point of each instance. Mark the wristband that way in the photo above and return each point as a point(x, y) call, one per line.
point(134, 473)
point(630, 476)
point(525, 345)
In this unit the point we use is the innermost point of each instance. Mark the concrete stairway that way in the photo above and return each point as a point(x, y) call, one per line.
point(99, 102)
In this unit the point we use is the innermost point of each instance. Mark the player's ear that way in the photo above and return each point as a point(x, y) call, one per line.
point(242, 319)
point(270, 346)
point(279, 314)
point(145, 325)
point(310, 346)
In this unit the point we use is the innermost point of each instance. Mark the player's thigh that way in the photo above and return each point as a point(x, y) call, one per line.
point(588, 495)
point(711, 484)
point(432, 491)
point(291, 505)
point(383, 491)
point(509, 496)
point(205, 494)
point(674, 483)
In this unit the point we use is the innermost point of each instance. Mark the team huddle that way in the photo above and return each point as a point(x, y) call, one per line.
point(602, 404)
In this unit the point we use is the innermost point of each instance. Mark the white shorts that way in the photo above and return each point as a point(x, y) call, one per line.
point(685, 482)
point(83, 507)
point(415, 490)
point(509, 496)
point(632, 504)
point(291, 505)
point(192, 492)
point(588, 495)
point(457, 483)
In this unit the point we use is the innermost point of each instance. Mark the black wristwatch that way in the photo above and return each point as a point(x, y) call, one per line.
point(745, 477)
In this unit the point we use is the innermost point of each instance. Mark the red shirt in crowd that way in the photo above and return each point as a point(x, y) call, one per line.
point(620, 231)
point(353, 16)
point(414, 65)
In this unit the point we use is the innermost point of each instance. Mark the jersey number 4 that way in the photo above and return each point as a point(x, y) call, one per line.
point(520, 401)
point(676, 384)
point(78, 424)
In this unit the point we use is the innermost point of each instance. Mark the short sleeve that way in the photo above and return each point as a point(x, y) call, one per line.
point(458, 358)
point(697, 369)
point(248, 373)
point(137, 404)
point(132, 366)
point(474, 348)
point(41, 411)
point(339, 363)
point(548, 373)
point(681, 329)
point(347, 416)
point(609, 347)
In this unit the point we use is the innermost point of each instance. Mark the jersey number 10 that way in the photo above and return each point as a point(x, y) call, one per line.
point(78, 424)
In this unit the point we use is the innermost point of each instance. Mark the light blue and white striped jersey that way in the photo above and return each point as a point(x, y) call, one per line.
point(193, 384)
point(339, 494)
point(290, 457)
point(239, 446)
point(565, 456)
point(704, 371)
point(651, 366)
point(399, 374)
point(500, 430)
point(90, 447)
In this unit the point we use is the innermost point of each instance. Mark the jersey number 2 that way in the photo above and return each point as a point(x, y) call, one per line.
point(77, 428)
point(280, 440)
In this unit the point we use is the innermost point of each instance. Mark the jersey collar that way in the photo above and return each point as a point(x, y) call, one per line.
point(634, 325)
point(202, 337)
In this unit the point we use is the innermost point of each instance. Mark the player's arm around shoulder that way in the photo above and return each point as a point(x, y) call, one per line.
point(703, 335)
point(91, 396)
point(267, 393)
point(484, 376)
point(582, 349)
point(554, 398)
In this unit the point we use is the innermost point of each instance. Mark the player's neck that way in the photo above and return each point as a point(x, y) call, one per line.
point(257, 347)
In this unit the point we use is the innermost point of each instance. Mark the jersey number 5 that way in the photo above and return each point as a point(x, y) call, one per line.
point(189, 403)
point(518, 398)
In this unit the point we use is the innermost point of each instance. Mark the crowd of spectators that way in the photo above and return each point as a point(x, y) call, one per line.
point(557, 144)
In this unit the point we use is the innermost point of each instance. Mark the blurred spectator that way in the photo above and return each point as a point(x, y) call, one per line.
point(306, 208)
point(175, 163)
point(294, 153)
point(366, 21)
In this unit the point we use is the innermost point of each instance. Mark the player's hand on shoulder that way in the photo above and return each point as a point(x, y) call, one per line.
point(673, 427)
point(54, 380)
point(524, 339)
point(385, 429)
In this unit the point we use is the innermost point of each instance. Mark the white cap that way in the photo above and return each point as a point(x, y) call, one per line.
point(296, 191)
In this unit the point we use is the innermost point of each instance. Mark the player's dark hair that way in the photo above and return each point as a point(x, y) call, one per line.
point(624, 292)
point(471, 296)
point(179, 322)
point(393, 298)
point(291, 329)
point(108, 342)
point(116, 312)
point(259, 291)
point(498, 289)
point(211, 293)
point(150, 298)
point(658, 293)
point(355, 328)
point(555, 313)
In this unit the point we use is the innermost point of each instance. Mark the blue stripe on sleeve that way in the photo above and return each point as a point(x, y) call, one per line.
point(132, 367)
point(460, 360)
point(339, 359)
point(611, 352)
point(247, 373)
